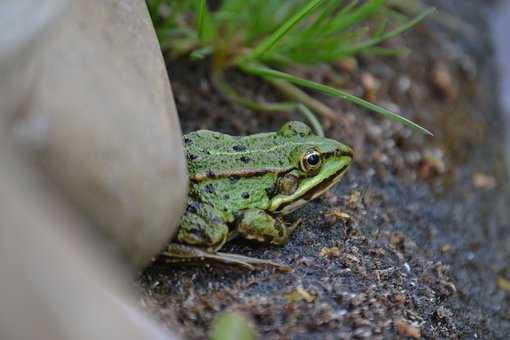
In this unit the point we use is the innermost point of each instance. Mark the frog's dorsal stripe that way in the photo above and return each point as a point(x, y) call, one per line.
point(264, 150)
point(239, 173)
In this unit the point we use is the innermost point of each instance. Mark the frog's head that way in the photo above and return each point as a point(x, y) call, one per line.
point(317, 164)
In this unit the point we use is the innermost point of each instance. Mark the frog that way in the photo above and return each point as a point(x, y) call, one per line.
point(242, 187)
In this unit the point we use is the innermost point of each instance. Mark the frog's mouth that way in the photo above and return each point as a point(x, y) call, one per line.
point(312, 187)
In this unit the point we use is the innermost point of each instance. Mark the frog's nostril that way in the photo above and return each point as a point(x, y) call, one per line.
point(345, 152)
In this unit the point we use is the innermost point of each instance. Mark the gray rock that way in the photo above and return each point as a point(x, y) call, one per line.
point(102, 122)
point(92, 103)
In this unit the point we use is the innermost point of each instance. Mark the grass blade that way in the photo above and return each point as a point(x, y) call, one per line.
point(202, 8)
point(205, 23)
point(323, 18)
point(262, 71)
point(377, 40)
point(201, 53)
point(312, 119)
point(273, 39)
point(348, 19)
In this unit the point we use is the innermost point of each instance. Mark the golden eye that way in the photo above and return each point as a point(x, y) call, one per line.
point(311, 161)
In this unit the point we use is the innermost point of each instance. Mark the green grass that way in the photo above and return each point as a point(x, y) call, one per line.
point(264, 38)
point(232, 326)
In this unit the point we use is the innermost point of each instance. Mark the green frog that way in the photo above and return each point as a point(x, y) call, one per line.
point(242, 186)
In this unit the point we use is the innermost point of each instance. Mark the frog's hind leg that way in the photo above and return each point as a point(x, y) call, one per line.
point(181, 253)
point(202, 226)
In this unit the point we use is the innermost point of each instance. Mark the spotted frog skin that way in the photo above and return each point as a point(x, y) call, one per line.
point(242, 186)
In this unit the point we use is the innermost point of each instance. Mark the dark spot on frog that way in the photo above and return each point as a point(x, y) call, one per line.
point(245, 159)
point(193, 207)
point(233, 179)
point(207, 152)
point(187, 141)
point(239, 147)
point(209, 188)
point(270, 191)
point(210, 173)
point(226, 196)
point(198, 232)
point(216, 137)
point(245, 195)
point(191, 157)
point(280, 162)
point(216, 220)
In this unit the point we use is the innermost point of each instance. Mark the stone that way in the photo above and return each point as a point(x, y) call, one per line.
point(102, 123)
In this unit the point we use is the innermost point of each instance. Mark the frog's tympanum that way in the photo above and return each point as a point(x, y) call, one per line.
point(242, 186)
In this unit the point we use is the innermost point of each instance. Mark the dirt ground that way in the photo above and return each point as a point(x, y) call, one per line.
point(414, 242)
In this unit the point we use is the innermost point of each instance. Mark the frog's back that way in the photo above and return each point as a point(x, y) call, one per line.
point(214, 154)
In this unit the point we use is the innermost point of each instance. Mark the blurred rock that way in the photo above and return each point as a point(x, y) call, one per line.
point(91, 103)
point(59, 281)
point(103, 125)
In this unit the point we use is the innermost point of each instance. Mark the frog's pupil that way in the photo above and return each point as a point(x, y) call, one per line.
point(313, 159)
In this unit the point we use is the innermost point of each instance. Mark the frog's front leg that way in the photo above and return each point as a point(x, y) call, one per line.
point(256, 224)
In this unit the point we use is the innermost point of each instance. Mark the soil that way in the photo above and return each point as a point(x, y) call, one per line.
point(415, 240)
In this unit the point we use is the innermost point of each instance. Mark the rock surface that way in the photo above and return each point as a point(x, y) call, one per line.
point(102, 123)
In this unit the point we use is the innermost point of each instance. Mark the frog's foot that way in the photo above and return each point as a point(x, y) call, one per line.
point(180, 253)
point(256, 224)
point(293, 226)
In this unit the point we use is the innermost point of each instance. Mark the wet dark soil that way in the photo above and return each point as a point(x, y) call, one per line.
point(414, 242)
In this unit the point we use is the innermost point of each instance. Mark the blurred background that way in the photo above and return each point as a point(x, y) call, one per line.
point(499, 20)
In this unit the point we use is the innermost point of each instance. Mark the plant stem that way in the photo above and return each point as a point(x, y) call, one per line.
point(299, 95)
point(312, 119)
point(233, 96)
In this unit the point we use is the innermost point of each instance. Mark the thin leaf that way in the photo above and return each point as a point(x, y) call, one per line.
point(205, 23)
point(312, 119)
point(202, 9)
point(324, 17)
point(386, 52)
point(201, 53)
point(343, 22)
point(377, 40)
point(382, 28)
point(273, 39)
point(348, 7)
point(267, 72)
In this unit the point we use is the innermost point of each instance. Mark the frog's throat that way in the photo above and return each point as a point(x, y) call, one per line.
point(312, 188)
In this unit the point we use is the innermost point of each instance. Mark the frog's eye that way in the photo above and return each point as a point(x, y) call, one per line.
point(311, 161)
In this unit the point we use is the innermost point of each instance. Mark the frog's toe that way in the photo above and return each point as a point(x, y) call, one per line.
point(253, 262)
point(180, 253)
